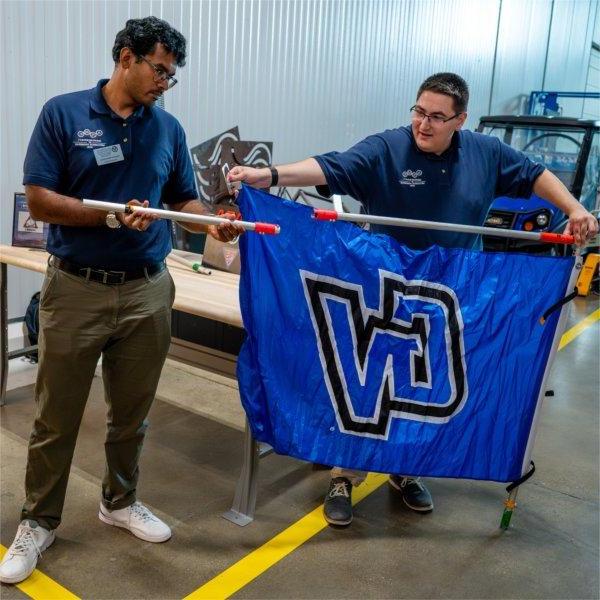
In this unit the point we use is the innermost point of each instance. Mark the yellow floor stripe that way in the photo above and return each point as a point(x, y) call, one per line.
point(251, 566)
point(42, 587)
point(570, 335)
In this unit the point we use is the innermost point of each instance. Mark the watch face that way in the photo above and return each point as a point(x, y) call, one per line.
point(112, 221)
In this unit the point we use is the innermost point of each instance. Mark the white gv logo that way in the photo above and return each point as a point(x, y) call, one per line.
point(331, 301)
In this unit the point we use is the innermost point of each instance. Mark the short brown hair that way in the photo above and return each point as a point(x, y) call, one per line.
point(449, 84)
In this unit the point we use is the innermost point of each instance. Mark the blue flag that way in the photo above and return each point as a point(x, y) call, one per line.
point(364, 354)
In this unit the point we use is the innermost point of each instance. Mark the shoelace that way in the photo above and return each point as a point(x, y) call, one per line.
point(140, 511)
point(339, 489)
point(406, 480)
point(24, 541)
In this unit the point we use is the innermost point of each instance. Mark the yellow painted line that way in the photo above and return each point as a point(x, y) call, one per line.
point(42, 587)
point(257, 562)
point(570, 335)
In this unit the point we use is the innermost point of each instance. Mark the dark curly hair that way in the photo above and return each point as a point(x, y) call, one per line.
point(141, 35)
point(450, 84)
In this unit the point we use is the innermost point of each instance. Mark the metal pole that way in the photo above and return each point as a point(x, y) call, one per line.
point(511, 502)
point(550, 238)
point(267, 228)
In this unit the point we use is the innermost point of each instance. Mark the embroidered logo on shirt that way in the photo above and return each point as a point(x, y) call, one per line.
point(230, 254)
point(86, 138)
point(412, 178)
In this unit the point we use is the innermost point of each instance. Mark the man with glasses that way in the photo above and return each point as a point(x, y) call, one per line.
point(429, 170)
point(107, 291)
point(160, 75)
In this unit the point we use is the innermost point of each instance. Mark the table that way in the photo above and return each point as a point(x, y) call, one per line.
point(212, 296)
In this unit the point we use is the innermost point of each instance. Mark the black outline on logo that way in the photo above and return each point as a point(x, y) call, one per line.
point(366, 323)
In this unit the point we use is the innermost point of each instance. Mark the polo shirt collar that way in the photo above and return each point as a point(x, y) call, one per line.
point(455, 143)
point(98, 103)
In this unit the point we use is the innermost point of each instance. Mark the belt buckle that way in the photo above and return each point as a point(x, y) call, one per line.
point(120, 274)
point(85, 272)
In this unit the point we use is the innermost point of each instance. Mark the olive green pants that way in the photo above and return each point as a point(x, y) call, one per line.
point(128, 325)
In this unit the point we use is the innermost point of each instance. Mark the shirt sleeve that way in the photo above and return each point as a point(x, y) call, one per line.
point(516, 173)
point(353, 172)
point(45, 161)
point(181, 185)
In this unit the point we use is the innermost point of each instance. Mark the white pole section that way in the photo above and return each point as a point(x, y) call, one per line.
point(267, 228)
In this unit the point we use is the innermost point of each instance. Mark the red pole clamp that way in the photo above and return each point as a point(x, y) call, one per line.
point(322, 214)
point(268, 228)
point(557, 238)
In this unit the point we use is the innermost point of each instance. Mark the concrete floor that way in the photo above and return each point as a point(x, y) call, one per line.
point(191, 462)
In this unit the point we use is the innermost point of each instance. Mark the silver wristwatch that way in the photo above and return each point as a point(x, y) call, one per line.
point(112, 221)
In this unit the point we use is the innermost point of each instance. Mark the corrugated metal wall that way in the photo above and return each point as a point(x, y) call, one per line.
point(521, 55)
point(310, 75)
point(591, 106)
point(315, 75)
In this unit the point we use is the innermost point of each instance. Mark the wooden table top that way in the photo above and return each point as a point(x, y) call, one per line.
point(212, 296)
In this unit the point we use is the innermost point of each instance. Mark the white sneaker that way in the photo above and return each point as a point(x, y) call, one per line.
point(139, 520)
point(22, 556)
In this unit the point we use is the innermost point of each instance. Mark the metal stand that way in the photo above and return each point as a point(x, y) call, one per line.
point(3, 334)
point(511, 502)
point(244, 501)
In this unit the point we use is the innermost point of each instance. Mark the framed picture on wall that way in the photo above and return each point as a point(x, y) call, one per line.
point(27, 232)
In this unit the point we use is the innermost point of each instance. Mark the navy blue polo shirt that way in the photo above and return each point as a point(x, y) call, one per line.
point(391, 177)
point(156, 167)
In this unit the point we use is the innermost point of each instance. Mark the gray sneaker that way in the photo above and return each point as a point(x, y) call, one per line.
point(337, 507)
point(21, 558)
point(414, 493)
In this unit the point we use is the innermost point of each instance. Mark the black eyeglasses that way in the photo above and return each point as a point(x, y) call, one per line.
point(419, 114)
point(160, 74)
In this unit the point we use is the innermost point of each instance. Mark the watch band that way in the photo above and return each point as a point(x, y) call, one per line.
point(274, 176)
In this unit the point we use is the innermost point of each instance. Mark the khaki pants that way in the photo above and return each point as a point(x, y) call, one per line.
point(355, 477)
point(130, 326)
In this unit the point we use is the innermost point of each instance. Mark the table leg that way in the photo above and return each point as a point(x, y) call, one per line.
point(244, 501)
point(3, 334)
